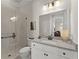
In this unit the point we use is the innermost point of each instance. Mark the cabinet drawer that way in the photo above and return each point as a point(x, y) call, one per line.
point(54, 51)
point(44, 47)
point(36, 45)
point(67, 54)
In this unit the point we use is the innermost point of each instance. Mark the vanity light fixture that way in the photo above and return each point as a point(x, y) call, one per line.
point(51, 5)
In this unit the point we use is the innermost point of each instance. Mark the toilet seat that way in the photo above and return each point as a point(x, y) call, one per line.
point(25, 53)
point(25, 49)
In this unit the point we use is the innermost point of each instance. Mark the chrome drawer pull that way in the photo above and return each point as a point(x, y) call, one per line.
point(64, 53)
point(45, 54)
point(33, 44)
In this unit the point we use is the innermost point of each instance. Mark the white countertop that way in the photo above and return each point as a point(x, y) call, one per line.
point(56, 43)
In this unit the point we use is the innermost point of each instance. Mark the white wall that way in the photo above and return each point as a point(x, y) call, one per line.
point(74, 20)
point(21, 26)
point(37, 10)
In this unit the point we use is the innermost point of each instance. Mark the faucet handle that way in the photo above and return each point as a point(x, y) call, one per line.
point(50, 37)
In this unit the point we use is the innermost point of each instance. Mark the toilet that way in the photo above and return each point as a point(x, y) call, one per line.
point(25, 53)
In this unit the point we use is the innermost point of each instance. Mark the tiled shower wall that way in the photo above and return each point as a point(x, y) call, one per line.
point(19, 27)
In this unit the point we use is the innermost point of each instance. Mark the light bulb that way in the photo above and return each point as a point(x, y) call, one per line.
point(50, 6)
point(44, 7)
point(57, 3)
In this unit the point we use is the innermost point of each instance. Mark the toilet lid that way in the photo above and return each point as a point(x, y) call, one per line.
point(25, 49)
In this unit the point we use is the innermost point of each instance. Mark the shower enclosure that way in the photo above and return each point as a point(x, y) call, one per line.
point(10, 33)
point(8, 38)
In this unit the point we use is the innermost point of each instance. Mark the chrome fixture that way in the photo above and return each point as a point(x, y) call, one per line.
point(11, 36)
point(52, 4)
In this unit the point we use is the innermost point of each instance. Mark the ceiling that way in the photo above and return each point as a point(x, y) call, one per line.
point(15, 3)
point(19, 1)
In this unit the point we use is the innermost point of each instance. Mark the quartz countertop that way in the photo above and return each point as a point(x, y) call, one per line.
point(57, 43)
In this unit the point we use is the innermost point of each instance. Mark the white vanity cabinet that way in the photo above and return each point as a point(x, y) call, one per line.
point(42, 51)
point(67, 54)
point(36, 52)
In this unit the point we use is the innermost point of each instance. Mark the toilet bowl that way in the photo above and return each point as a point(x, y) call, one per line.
point(25, 53)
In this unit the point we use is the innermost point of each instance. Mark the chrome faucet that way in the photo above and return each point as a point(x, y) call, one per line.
point(50, 37)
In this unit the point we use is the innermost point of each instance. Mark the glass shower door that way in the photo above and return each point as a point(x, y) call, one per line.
point(8, 38)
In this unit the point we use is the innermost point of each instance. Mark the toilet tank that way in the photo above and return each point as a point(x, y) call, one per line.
point(29, 41)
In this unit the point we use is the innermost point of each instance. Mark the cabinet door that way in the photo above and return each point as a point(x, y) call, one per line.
point(73, 56)
point(67, 54)
point(37, 53)
point(51, 56)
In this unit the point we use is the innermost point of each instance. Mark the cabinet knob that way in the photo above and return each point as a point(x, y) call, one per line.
point(45, 54)
point(64, 53)
point(33, 44)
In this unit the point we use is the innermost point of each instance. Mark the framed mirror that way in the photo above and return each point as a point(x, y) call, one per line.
point(53, 23)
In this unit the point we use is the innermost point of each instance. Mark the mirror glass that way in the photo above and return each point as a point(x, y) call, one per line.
point(49, 24)
point(44, 25)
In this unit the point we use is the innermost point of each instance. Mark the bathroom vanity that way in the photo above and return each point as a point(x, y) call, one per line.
point(57, 20)
point(47, 49)
point(57, 48)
